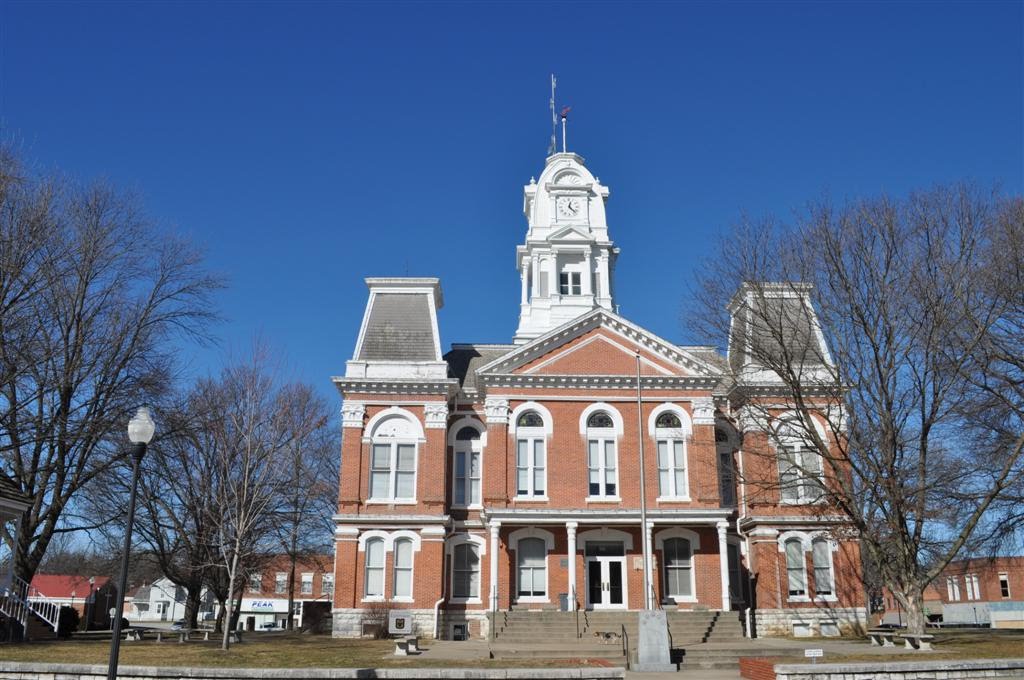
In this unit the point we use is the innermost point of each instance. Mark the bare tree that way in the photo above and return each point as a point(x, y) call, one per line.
point(247, 420)
point(918, 382)
point(310, 463)
point(91, 298)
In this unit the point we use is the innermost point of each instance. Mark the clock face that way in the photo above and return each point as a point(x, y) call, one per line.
point(569, 206)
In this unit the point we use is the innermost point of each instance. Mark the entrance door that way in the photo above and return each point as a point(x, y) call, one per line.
point(606, 575)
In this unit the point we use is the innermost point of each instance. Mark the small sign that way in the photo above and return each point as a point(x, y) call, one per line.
point(262, 605)
point(814, 654)
point(400, 622)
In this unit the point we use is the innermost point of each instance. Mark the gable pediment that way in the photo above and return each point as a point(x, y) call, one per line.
point(599, 343)
point(570, 234)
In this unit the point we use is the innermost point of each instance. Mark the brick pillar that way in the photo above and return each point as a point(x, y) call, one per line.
point(353, 478)
point(346, 567)
point(431, 468)
point(496, 455)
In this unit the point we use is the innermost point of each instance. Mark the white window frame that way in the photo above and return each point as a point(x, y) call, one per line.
point(480, 545)
point(395, 569)
point(382, 568)
point(726, 467)
point(468, 449)
point(548, 541)
point(570, 282)
point(602, 436)
point(809, 486)
point(670, 436)
point(829, 548)
point(694, 540)
point(1004, 585)
point(393, 427)
point(327, 584)
point(307, 578)
point(257, 580)
point(280, 583)
point(791, 596)
point(973, 589)
point(532, 436)
point(953, 588)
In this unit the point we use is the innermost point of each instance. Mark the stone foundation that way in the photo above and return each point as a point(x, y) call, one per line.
point(349, 623)
point(811, 622)
point(479, 624)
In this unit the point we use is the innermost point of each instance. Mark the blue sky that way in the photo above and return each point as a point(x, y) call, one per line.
point(309, 145)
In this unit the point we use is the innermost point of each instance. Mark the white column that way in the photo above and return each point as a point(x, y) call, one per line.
point(587, 275)
point(553, 276)
point(723, 559)
point(570, 531)
point(603, 286)
point(525, 278)
point(649, 595)
point(495, 527)
point(535, 273)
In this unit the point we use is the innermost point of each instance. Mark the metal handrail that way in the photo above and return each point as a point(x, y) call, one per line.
point(20, 597)
point(576, 610)
point(625, 644)
point(494, 612)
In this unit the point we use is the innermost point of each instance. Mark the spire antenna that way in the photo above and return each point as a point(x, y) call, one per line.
point(565, 115)
point(552, 148)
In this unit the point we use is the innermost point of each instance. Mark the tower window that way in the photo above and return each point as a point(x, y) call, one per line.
point(570, 283)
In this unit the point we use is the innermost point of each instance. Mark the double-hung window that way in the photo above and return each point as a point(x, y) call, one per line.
point(800, 474)
point(678, 558)
point(602, 459)
point(1004, 584)
point(796, 568)
point(466, 572)
point(973, 587)
point(671, 440)
point(373, 575)
point(307, 583)
point(466, 490)
point(403, 569)
point(821, 557)
point(280, 583)
point(531, 466)
point(327, 584)
point(953, 588)
point(255, 583)
point(533, 569)
point(393, 471)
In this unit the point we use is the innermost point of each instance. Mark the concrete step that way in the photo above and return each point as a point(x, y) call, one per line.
point(554, 651)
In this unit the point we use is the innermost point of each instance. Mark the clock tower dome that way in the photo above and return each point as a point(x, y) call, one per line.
point(567, 261)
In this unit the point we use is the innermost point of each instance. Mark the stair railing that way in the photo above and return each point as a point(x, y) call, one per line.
point(625, 644)
point(576, 610)
point(14, 603)
point(42, 606)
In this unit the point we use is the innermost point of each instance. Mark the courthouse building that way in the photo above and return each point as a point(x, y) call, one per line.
point(507, 476)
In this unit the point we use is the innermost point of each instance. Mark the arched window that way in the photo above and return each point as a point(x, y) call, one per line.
point(393, 460)
point(671, 438)
point(466, 475)
point(726, 468)
point(678, 558)
point(668, 419)
point(374, 571)
point(530, 419)
point(531, 459)
point(800, 474)
point(466, 572)
point(821, 556)
point(531, 554)
point(602, 457)
point(796, 569)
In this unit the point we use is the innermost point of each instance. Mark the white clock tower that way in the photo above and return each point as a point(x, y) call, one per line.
point(567, 262)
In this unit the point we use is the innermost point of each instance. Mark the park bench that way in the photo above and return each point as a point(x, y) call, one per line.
point(406, 645)
point(134, 634)
point(882, 637)
point(919, 642)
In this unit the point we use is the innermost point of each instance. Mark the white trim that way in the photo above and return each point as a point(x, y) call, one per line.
point(514, 539)
point(401, 536)
point(677, 532)
point(694, 540)
point(531, 532)
point(609, 409)
point(389, 538)
point(481, 550)
point(392, 412)
point(541, 410)
point(467, 421)
point(686, 429)
point(603, 534)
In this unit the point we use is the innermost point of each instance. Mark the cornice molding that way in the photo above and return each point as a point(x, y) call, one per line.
point(447, 387)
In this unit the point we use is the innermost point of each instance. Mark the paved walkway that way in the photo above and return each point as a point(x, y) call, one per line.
point(473, 650)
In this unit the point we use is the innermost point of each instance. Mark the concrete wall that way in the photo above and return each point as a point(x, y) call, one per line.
point(778, 622)
point(911, 670)
point(32, 671)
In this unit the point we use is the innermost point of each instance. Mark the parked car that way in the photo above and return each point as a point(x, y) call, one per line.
point(178, 625)
point(270, 625)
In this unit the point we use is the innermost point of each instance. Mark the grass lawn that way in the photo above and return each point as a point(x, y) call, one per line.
point(947, 647)
point(266, 650)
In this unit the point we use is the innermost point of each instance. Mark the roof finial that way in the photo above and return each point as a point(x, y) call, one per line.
point(552, 148)
point(565, 114)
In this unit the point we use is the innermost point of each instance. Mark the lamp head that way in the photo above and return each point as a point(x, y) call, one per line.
point(141, 427)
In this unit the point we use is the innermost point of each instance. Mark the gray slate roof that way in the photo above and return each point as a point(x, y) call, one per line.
point(399, 328)
point(464, 360)
point(11, 491)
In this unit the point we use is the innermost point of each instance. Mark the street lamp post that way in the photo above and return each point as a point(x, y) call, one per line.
point(140, 432)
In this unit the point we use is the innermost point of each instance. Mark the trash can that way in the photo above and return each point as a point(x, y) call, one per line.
point(563, 602)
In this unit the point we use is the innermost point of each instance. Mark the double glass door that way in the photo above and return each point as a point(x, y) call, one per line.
point(606, 575)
